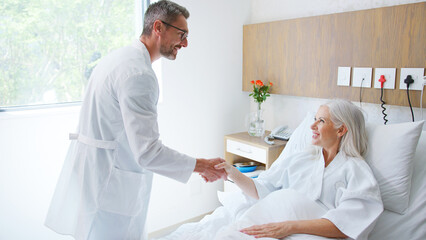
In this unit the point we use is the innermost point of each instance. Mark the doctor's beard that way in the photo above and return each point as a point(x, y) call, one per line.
point(169, 52)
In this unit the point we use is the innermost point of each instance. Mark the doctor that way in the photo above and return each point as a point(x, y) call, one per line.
point(104, 188)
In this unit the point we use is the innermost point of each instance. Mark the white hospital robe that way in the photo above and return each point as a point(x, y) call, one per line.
point(346, 188)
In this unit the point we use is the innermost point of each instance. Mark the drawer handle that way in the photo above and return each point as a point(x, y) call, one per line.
point(243, 150)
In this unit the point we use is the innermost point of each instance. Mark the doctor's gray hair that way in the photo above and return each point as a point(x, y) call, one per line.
point(354, 143)
point(162, 10)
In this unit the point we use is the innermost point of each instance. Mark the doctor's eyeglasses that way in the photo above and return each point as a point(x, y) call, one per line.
point(183, 36)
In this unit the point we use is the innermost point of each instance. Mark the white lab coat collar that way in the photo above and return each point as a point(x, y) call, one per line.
point(141, 47)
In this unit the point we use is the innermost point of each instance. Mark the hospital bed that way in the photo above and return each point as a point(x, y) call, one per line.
point(397, 156)
point(400, 152)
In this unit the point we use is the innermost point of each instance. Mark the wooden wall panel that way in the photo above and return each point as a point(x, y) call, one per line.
point(301, 56)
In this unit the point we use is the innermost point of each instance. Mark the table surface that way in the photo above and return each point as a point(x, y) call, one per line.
point(244, 137)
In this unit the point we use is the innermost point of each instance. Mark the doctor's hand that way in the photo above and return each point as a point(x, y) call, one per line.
point(205, 167)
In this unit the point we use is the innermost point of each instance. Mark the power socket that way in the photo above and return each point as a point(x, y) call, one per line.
point(389, 74)
point(362, 77)
point(417, 75)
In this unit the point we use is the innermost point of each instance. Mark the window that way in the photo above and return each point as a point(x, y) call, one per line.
point(50, 47)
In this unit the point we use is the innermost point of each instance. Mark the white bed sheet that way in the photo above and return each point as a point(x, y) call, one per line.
point(239, 211)
point(235, 204)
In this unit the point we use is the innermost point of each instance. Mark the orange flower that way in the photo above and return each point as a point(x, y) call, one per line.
point(260, 91)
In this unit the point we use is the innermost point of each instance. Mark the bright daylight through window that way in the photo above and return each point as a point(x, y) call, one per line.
point(49, 47)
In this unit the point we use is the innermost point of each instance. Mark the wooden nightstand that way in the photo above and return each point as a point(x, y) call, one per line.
point(240, 147)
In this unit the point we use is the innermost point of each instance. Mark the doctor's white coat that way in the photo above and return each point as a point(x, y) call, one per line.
point(104, 187)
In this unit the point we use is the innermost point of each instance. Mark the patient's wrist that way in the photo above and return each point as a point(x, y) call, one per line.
point(234, 173)
point(291, 227)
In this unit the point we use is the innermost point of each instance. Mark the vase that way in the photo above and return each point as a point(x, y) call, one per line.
point(256, 123)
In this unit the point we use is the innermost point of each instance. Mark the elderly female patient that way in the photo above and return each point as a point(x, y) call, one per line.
point(328, 190)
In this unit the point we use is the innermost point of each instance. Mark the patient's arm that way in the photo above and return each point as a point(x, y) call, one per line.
point(320, 227)
point(245, 183)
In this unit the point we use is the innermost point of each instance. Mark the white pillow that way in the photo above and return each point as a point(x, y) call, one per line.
point(390, 155)
point(301, 137)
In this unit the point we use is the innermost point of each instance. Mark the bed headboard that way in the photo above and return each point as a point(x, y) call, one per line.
point(301, 56)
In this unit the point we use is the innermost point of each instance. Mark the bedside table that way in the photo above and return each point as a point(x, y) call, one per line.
point(240, 147)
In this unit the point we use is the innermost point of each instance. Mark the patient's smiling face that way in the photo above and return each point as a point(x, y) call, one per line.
point(324, 133)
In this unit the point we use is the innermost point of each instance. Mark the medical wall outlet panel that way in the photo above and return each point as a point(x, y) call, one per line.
point(362, 76)
point(343, 76)
point(389, 74)
point(416, 74)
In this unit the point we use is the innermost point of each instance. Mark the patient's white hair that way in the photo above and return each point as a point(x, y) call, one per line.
point(354, 142)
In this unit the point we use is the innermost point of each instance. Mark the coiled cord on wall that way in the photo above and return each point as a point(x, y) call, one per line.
point(382, 81)
point(383, 107)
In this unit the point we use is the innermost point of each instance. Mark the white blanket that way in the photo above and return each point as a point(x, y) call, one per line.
point(239, 211)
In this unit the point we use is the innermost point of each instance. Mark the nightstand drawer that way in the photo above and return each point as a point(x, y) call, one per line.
point(247, 151)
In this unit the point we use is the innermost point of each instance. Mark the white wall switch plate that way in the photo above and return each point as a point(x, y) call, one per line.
point(416, 74)
point(389, 74)
point(362, 76)
point(343, 76)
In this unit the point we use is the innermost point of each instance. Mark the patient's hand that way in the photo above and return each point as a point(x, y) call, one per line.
point(206, 168)
point(230, 170)
point(245, 183)
point(320, 227)
point(273, 230)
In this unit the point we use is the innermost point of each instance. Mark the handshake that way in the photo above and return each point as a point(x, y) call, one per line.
point(206, 169)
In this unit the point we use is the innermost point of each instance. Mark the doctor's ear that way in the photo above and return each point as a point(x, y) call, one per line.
point(342, 130)
point(157, 27)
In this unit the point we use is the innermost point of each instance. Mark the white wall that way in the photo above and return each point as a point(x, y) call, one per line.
point(274, 10)
point(202, 101)
point(290, 110)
